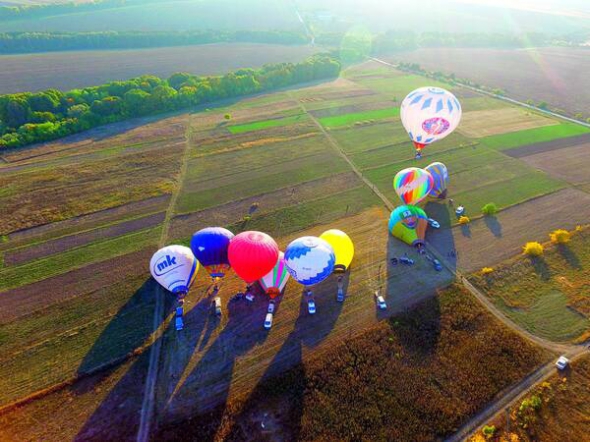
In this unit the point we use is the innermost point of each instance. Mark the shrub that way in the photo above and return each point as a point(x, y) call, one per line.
point(227, 116)
point(560, 236)
point(489, 209)
point(533, 248)
point(487, 270)
point(464, 220)
point(489, 431)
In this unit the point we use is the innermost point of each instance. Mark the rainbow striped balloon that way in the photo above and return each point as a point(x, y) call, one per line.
point(413, 184)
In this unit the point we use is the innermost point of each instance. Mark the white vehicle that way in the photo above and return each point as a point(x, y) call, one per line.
point(562, 363)
point(250, 297)
point(460, 211)
point(217, 305)
point(311, 307)
point(271, 307)
point(380, 301)
point(340, 295)
point(433, 223)
point(268, 321)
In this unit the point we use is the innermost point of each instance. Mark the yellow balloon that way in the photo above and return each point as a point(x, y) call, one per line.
point(343, 248)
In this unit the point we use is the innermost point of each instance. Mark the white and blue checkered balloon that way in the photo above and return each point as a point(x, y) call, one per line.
point(429, 114)
point(309, 260)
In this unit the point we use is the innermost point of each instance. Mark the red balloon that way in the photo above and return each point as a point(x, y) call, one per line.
point(252, 255)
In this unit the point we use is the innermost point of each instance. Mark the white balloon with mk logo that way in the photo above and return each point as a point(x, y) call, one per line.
point(175, 268)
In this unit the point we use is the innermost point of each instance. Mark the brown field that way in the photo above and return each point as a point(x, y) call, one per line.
point(547, 146)
point(415, 376)
point(63, 244)
point(489, 240)
point(571, 164)
point(483, 123)
point(214, 359)
point(563, 414)
point(71, 70)
point(555, 75)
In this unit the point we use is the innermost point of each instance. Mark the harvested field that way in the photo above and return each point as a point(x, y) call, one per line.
point(71, 225)
point(351, 108)
point(71, 70)
point(233, 212)
point(416, 376)
point(63, 244)
point(27, 299)
point(571, 164)
point(336, 121)
point(489, 240)
point(483, 123)
point(556, 75)
point(209, 362)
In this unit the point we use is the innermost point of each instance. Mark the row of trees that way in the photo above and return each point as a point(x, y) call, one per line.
point(45, 10)
point(22, 42)
point(27, 118)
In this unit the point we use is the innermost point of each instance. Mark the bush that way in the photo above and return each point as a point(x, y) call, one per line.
point(489, 209)
point(464, 220)
point(560, 236)
point(533, 248)
point(489, 431)
point(487, 270)
point(227, 116)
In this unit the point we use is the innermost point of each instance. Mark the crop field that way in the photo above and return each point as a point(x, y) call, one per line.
point(554, 75)
point(77, 69)
point(550, 297)
point(382, 384)
point(82, 216)
point(482, 123)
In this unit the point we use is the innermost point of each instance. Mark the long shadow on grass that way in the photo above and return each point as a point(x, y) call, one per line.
point(541, 267)
point(127, 330)
point(494, 225)
point(570, 257)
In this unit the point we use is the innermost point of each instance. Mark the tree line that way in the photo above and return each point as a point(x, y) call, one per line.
point(45, 10)
point(27, 118)
point(23, 42)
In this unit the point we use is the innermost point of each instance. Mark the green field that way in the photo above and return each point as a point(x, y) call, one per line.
point(532, 136)
point(348, 119)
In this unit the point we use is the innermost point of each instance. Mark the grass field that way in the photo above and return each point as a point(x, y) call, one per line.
point(550, 295)
point(73, 278)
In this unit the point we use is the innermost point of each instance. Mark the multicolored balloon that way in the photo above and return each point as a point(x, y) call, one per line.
point(275, 281)
point(408, 224)
point(210, 245)
point(174, 268)
point(413, 184)
point(309, 260)
point(343, 248)
point(252, 255)
point(440, 175)
point(429, 114)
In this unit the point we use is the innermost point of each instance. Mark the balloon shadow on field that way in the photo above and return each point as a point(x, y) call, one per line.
point(442, 240)
point(494, 225)
point(127, 330)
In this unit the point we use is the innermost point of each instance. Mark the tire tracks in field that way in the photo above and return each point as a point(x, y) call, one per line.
point(147, 411)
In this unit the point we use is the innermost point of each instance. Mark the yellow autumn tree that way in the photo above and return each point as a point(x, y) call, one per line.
point(560, 236)
point(533, 248)
point(464, 220)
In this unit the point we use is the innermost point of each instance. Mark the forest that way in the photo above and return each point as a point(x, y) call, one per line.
point(27, 118)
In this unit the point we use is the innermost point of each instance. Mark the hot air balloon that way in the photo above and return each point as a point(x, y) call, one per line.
point(175, 269)
point(440, 176)
point(342, 246)
point(252, 255)
point(309, 260)
point(408, 223)
point(413, 184)
point(429, 114)
point(209, 246)
point(274, 281)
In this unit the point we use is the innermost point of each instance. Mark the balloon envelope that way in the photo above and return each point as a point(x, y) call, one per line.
point(210, 247)
point(309, 260)
point(342, 246)
point(440, 177)
point(408, 223)
point(429, 114)
point(175, 268)
point(252, 255)
point(413, 184)
point(274, 281)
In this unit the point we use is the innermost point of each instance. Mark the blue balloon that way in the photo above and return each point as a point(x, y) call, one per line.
point(309, 259)
point(210, 245)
